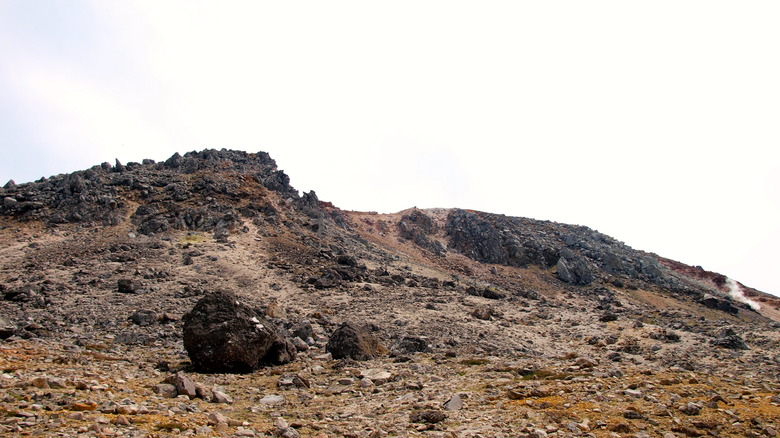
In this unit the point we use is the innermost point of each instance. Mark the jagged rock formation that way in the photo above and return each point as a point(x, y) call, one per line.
point(182, 193)
point(529, 320)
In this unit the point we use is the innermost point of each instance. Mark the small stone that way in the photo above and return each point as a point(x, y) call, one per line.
point(455, 403)
point(621, 428)
point(515, 394)
point(285, 381)
point(40, 382)
point(288, 432)
point(85, 406)
point(632, 414)
point(690, 408)
point(185, 386)
point(204, 430)
point(56, 383)
point(300, 344)
point(144, 318)
point(203, 393)
point(377, 376)
point(633, 393)
point(272, 400)
point(131, 409)
point(217, 418)
point(166, 390)
point(300, 382)
point(430, 417)
point(245, 432)
point(220, 397)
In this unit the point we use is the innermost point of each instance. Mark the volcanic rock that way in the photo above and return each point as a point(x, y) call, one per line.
point(6, 328)
point(411, 344)
point(728, 338)
point(573, 269)
point(429, 416)
point(352, 341)
point(221, 334)
point(722, 304)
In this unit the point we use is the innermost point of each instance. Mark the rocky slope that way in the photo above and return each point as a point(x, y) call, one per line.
point(489, 325)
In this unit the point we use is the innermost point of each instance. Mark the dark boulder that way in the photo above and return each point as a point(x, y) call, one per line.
point(221, 334)
point(351, 341)
point(728, 338)
point(717, 303)
point(127, 286)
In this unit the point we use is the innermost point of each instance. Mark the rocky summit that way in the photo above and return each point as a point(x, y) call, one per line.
point(205, 296)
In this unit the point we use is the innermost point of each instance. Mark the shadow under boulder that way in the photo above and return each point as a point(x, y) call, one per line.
point(223, 335)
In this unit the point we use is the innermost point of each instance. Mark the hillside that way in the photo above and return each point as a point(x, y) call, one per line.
point(533, 328)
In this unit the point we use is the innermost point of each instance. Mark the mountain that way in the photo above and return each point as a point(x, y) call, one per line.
point(481, 324)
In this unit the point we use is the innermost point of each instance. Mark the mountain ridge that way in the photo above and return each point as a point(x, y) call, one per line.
point(116, 255)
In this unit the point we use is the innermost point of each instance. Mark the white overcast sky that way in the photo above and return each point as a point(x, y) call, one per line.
point(657, 123)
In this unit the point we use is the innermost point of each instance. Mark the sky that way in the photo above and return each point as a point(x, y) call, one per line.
point(657, 123)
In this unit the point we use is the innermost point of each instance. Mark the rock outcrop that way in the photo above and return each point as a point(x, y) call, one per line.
point(573, 269)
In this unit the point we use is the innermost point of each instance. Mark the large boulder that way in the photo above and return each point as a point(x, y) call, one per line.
point(222, 334)
point(351, 341)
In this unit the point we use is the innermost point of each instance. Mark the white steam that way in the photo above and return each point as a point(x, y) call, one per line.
point(735, 290)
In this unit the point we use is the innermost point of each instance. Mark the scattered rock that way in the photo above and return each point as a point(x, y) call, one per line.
point(411, 344)
point(272, 399)
point(690, 408)
point(144, 318)
point(429, 416)
point(455, 403)
point(184, 385)
point(219, 396)
point(633, 414)
point(377, 376)
point(127, 286)
point(6, 328)
point(166, 390)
